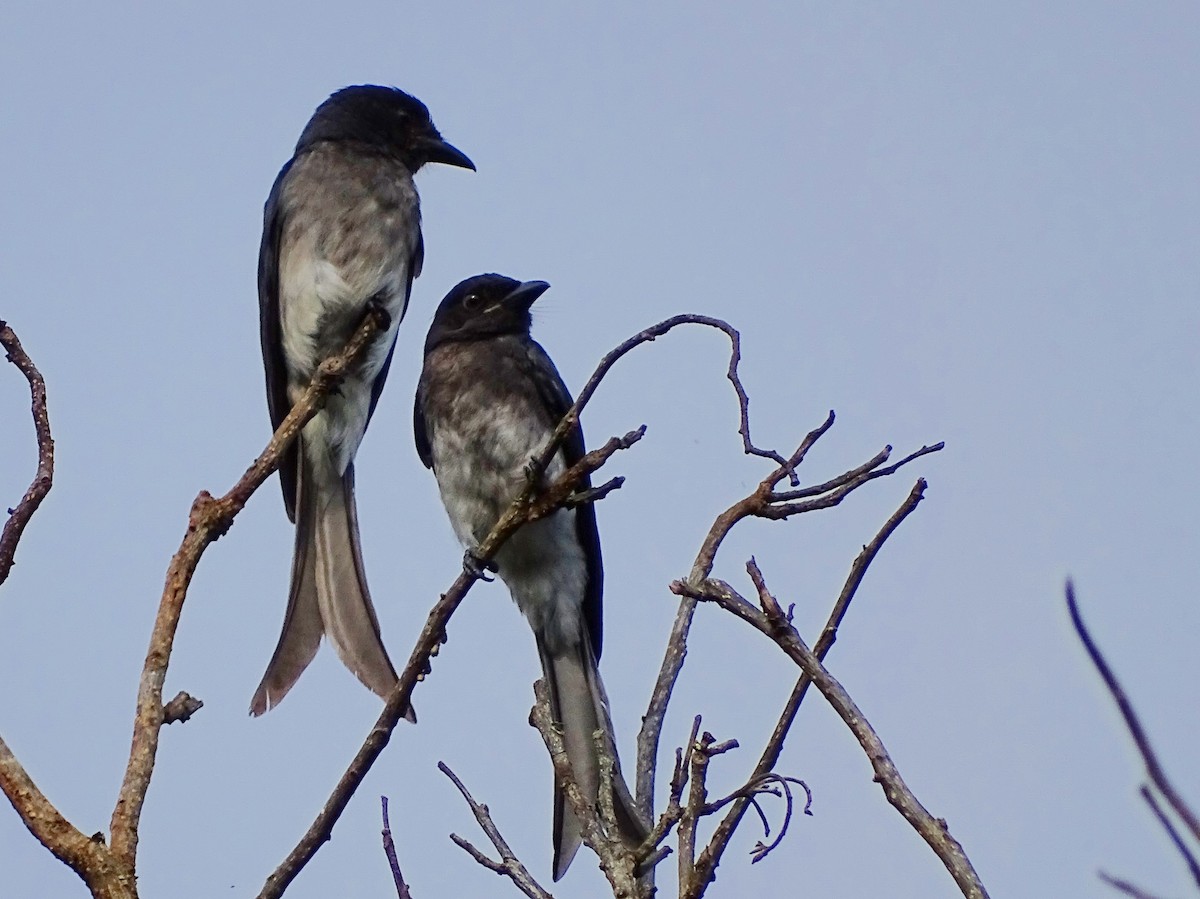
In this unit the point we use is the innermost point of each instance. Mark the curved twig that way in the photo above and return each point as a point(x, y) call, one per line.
point(87, 857)
point(43, 479)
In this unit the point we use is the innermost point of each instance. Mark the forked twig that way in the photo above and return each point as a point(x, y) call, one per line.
point(509, 865)
point(933, 830)
point(90, 859)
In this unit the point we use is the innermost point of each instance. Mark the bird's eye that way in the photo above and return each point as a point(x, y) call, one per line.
point(473, 302)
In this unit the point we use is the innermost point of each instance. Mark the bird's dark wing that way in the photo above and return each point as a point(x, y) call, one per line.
point(557, 399)
point(415, 263)
point(420, 434)
point(269, 332)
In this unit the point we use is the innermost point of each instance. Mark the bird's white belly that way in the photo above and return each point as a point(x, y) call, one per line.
point(480, 471)
point(318, 303)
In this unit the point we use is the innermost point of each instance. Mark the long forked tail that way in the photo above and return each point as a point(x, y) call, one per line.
point(328, 594)
point(579, 704)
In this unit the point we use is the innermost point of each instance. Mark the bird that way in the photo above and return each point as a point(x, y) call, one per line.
point(487, 401)
point(341, 233)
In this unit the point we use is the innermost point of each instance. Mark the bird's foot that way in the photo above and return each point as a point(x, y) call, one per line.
point(477, 567)
point(534, 473)
point(377, 307)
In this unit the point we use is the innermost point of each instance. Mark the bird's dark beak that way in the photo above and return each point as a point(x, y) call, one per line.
point(437, 150)
point(524, 294)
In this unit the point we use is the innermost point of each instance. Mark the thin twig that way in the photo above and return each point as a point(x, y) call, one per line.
point(646, 336)
point(693, 810)
point(674, 810)
point(1125, 886)
point(762, 850)
point(43, 479)
point(1189, 857)
point(389, 849)
point(591, 495)
point(1153, 768)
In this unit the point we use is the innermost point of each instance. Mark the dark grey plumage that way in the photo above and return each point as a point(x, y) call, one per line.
point(488, 399)
point(341, 230)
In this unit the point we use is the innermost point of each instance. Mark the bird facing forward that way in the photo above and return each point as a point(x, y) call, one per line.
point(487, 402)
point(341, 231)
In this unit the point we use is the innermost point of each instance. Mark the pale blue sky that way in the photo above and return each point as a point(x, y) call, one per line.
point(943, 220)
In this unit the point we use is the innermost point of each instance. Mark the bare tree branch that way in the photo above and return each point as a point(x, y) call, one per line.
point(679, 780)
point(764, 502)
point(209, 520)
point(509, 865)
point(933, 830)
point(389, 849)
point(111, 872)
point(43, 479)
point(711, 857)
point(1153, 768)
point(676, 651)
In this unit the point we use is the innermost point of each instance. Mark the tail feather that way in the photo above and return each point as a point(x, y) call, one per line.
point(328, 595)
point(579, 704)
point(342, 594)
point(302, 628)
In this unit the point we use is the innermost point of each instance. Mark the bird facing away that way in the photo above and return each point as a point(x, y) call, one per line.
point(341, 231)
point(487, 402)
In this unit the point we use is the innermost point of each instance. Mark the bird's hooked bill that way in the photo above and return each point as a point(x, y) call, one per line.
point(524, 294)
point(446, 153)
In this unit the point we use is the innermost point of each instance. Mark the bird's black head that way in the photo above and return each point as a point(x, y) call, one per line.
point(385, 118)
point(484, 306)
